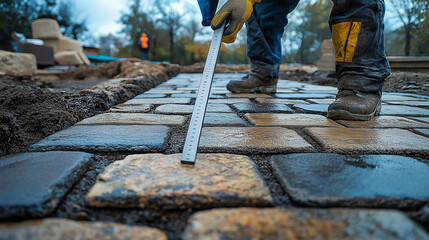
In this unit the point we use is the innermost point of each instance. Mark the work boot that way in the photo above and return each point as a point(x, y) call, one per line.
point(253, 83)
point(355, 105)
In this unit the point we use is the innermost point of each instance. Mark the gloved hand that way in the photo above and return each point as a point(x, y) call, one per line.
point(237, 12)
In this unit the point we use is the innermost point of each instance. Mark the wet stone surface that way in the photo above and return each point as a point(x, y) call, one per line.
point(281, 101)
point(411, 103)
point(424, 131)
point(403, 110)
point(126, 108)
point(261, 108)
point(363, 140)
point(252, 140)
point(248, 95)
point(133, 119)
point(32, 184)
point(303, 95)
point(290, 120)
point(329, 179)
point(161, 181)
point(159, 101)
point(223, 119)
point(141, 138)
point(312, 108)
point(229, 101)
point(187, 109)
point(275, 223)
point(59, 229)
point(385, 122)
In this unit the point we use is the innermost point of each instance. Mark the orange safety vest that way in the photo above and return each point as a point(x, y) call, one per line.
point(144, 42)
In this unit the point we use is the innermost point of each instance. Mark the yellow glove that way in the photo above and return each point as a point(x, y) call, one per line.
point(237, 12)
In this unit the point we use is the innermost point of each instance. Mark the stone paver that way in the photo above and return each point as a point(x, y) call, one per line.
point(290, 120)
point(329, 179)
point(248, 95)
point(363, 140)
point(303, 95)
point(403, 110)
point(396, 97)
point(261, 108)
point(280, 101)
point(424, 131)
point(187, 109)
point(276, 223)
point(165, 91)
point(411, 103)
point(313, 108)
point(157, 180)
point(252, 140)
point(322, 101)
point(223, 119)
point(385, 122)
point(423, 119)
point(32, 184)
point(159, 101)
point(184, 95)
point(60, 229)
point(107, 138)
point(150, 95)
point(126, 108)
point(229, 101)
point(134, 119)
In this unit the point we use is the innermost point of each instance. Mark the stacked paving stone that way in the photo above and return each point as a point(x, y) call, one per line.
point(369, 174)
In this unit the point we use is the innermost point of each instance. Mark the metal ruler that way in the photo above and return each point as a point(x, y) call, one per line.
point(192, 141)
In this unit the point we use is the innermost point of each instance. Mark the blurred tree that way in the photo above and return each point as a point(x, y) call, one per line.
point(413, 15)
point(171, 19)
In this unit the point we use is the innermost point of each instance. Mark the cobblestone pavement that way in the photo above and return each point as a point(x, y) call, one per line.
point(268, 168)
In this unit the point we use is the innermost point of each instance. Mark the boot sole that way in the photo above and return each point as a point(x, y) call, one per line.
point(262, 89)
point(345, 115)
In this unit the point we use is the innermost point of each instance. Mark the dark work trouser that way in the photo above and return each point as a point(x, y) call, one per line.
point(357, 32)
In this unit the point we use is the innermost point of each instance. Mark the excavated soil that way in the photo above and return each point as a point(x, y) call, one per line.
point(32, 108)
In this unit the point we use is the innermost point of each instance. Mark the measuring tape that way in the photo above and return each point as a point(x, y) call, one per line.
point(192, 141)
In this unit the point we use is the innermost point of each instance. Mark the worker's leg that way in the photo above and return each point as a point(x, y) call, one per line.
point(361, 65)
point(264, 32)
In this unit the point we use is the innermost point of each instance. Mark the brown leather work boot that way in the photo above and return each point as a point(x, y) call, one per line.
point(355, 105)
point(251, 83)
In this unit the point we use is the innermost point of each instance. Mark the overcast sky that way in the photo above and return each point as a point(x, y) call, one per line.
point(102, 16)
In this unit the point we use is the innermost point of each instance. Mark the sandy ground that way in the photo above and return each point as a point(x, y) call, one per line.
point(33, 108)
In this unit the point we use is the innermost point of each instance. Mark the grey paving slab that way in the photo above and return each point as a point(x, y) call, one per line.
point(391, 97)
point(369, 140)
point(281, 101)
point(422, 119)
point(164, 91)
point(280, 223)
point(126, 108)
point(403, 110)
point(322, 101)
point(159, 101)
point(261, 108)
point(385, 122)
point(303, 95)
point(248, 95)
point(187, 109)
point(161, 181)
point(252, 140)
point(229, 100)
point(32, 184)
point(150, 95)
point(329, 179)
point(134, 119)
point(184, 95)
point(313, 108)
point(223, 119)
point(424, 131)
point(60, 229)
point(107, 138)
point(419, 103)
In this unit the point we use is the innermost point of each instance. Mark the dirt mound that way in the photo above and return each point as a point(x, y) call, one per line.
point(31, 109)
point(407, 82)
point(129, 68)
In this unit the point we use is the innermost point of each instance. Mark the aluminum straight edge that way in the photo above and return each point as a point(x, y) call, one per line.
point(192, 141)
